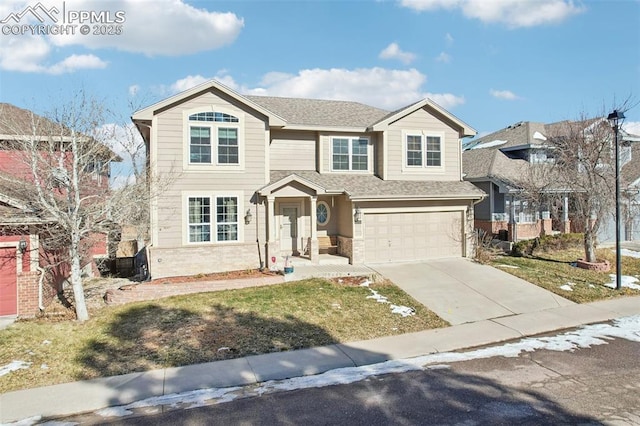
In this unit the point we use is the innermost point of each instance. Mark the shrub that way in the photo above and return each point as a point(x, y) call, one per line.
point(547, 243)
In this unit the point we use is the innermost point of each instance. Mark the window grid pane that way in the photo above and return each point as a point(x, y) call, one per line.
point(199, 219)
point(200, 145)
point(227, 218)
point(227, 146)
point(359, 158)
point(414, 150)
point(341, 154)
point(219, 117)
point(433, 151)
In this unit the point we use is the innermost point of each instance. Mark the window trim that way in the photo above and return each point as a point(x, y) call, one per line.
point(350, 140)
point(423, 168)
point(213, 213)
point(323, 203)
point(214, 126)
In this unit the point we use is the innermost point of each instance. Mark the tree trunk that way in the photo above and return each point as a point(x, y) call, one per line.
point(76, 280)
point(589, 242)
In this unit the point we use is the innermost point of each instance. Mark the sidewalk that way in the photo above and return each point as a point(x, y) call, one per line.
point(78, 397)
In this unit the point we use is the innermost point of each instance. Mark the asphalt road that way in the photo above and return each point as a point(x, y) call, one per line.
point(587, 387)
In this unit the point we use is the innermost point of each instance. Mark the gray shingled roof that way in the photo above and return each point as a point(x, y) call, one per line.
point(490, 162)
point(319, 112)
point(369, 186)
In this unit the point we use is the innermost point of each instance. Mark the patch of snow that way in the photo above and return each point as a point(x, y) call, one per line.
point(626, 281)
point(629, 253)
point(223, 349)
point(13, 366)
point(591, 335)
point(29, 421)
point(191, 399)
point(502, 265)
point(566, 287)
point(46, 342)
point(497, 142)
point(44, 367)
point(539, 136)
point(405, 311)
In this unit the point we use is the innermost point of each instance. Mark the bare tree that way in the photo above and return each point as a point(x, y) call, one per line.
point(64, 176)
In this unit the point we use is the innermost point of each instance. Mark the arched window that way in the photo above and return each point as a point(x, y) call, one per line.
point(209, 141)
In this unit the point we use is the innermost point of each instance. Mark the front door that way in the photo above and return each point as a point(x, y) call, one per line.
point(289, 231)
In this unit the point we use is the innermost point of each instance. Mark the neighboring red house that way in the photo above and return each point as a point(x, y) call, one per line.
point(25, 287)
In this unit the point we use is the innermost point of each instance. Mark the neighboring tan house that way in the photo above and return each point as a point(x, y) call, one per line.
point(25, 287)
point(499, 162)
point(252, 180)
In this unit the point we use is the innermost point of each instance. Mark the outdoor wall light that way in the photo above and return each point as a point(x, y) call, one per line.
point(247, 217)
point(22, 245)
point(357, 216)
point(615, 120)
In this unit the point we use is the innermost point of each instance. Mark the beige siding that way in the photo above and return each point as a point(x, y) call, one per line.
point(292, 150)
point(171, 148)
point(422, 120)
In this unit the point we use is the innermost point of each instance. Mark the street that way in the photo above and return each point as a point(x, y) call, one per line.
point(596, 385)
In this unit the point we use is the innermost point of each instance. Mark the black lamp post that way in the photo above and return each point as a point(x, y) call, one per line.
point(615, 119)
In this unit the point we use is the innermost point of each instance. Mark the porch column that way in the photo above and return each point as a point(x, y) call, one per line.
point(271, 218)
point(314, 250)
point(272, 250)
point(513, 225)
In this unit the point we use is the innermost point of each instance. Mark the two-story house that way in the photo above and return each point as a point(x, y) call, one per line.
point(502, 162)
point(250, 180)
point(32, 270)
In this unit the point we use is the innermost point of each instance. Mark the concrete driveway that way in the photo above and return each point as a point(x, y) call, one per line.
point(461, 291)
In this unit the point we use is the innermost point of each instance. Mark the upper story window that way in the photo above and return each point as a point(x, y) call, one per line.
point(350, 154)
point(219, 117)
point(214, 138)
point(423, 151)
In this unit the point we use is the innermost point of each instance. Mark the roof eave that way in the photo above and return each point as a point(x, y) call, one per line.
point(464, 129)
point(326, 128)
point(148, 112)
point(440, 197)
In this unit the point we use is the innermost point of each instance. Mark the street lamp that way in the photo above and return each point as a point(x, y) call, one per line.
point(615, 119)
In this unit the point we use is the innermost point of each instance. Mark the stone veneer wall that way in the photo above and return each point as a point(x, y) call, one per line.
point(171, 262)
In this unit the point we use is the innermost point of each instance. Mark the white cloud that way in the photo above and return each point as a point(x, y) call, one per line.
point(512, 13)
point(187, 83)
point(164, 27)
point(506, 95)
point(380, 87)
point(448, 39)
point(134, 89)
point(393, 51)
point(443, 57)
point(76, 62)
point(26, 53)
point(446, 100)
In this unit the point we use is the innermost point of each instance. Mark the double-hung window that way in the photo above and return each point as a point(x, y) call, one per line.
point(214, 137)
point(350, 154)
point(224, 222)
point(199, 219)
point(422, 151)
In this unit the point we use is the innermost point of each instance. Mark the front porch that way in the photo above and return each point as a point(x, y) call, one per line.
point(307, 224)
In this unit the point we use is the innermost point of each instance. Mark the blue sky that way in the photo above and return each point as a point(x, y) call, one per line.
point(490, 62)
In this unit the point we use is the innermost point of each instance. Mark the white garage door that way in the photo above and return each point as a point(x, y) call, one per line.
point(397, 237)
